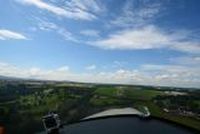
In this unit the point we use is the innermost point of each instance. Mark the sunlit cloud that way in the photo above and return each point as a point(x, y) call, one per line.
point(8, 34)
point(145, 38)
point(74, 9)
point(48, 26)
point(91, 67)
point(90, 33)
point(148, 37)
point(131, 16)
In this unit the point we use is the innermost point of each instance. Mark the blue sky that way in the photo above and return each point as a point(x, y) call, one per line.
point(149, 42)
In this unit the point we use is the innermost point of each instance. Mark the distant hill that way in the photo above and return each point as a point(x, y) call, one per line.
point(8, 78)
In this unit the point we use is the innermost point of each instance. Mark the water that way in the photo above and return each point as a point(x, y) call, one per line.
point(124, 125)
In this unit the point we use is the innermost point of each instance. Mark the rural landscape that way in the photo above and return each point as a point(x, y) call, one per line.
point(99, 66)
point(23, 103)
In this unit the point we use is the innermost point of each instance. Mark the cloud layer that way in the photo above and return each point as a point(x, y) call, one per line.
point(162, 75)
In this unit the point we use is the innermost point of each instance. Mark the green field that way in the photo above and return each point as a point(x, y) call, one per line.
point(128, 92)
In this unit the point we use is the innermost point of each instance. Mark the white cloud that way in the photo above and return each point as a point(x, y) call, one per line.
point(2, 38)
point(119, 64)
point(75, 9)
point(187, 46)
point(176, 75)
point(91, 67)
point(134, 16)
point(52, 27)
point(173, 72)
point(87, 5)
point(90, 32)
point(7, 34)
point(67, 35)
point(149, 37)
point(46, 25)
point(137, 31)
point(64, 68)
point(43, 5)
point(60, 73)
point(144, 38)
point(163, 75)
point(187, 60)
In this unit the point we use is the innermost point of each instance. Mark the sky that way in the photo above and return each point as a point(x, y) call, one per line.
point(142, 42)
